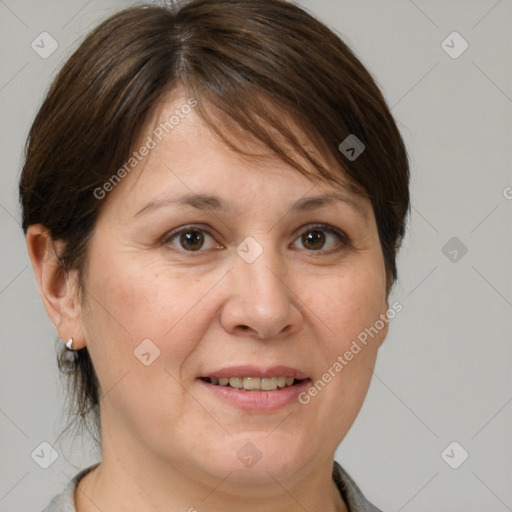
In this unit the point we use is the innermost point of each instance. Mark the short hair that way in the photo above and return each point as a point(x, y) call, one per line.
point(262, 63)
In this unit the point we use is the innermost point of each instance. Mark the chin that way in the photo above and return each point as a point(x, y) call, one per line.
point(257, 459)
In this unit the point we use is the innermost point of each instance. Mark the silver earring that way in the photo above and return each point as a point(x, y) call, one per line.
point(71, 353)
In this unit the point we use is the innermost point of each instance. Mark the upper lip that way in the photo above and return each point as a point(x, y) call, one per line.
point(253, 371)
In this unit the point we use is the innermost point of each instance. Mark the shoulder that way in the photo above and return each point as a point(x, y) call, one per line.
point(352, 495)
point(64, 501)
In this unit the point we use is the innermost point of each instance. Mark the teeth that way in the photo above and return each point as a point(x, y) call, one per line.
point(254, 383)
point(236, 382)
point(269, 384)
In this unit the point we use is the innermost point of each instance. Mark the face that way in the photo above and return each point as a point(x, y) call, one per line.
point(183, 292)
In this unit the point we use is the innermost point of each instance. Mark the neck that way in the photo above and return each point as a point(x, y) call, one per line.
point(128, 485)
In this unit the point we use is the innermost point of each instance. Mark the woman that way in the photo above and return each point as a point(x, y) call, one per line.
point(213, 198)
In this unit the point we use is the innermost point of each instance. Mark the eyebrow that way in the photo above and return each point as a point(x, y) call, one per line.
point(210, 202)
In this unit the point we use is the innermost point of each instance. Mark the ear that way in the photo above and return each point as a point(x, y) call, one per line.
point(57, 287)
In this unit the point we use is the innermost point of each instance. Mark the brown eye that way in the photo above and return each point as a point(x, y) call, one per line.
point(190, 239)
point(314, 238)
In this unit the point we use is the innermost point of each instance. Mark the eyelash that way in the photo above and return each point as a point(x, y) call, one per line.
point(342, 237)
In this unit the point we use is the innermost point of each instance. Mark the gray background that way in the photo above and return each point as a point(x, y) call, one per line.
point(444, 372)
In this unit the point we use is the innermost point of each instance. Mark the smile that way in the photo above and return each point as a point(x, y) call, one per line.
point(254, 383)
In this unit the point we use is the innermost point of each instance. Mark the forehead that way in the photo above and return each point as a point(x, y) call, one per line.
point(172, 112)
point(189, 164)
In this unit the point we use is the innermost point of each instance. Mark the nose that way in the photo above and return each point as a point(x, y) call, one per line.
point(261, 301)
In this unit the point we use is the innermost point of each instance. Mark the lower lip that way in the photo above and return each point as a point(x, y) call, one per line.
point(263, 401)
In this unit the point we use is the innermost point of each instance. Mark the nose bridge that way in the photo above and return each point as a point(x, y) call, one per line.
point(261, 269)
point(260, 297)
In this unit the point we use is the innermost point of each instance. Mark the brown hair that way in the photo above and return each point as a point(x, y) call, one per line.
point(262, 63)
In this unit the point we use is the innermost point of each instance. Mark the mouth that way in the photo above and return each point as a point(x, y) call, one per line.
point(254, 383)
point(255, 389)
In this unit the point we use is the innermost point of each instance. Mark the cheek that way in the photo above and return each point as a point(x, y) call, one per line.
point(347, 304)
point(346, 313)
point(144, 300)
point(128, 307)
point(136, 302)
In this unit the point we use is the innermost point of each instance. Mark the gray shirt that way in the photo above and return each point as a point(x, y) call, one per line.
point(353, 497)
